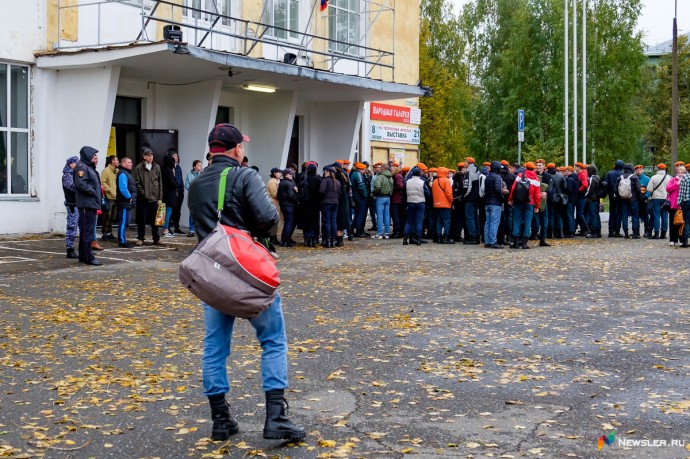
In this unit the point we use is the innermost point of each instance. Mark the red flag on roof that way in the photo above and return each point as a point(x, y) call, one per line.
point(324, 4)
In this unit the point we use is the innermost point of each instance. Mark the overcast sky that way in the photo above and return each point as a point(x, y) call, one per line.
point(656, 20)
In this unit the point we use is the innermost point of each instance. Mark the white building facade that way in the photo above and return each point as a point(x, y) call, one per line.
point(117, 76)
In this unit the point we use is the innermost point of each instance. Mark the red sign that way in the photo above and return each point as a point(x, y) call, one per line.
point(387, 112)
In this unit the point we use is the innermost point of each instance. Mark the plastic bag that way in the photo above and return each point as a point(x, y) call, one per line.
point(160, 215)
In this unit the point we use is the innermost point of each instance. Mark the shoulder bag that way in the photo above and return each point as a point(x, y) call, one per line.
point(229, 270)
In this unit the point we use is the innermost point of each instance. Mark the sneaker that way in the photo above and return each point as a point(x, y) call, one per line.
point(190, 234)
point(385, 236)
point(168, 234)
point(139, 242)
point(178, 231)
point(377, 236)
point(158, 242)
point(671, 243)
point(126, 245)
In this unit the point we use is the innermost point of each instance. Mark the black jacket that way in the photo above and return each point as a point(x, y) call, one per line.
point(330, 191)
point(169, 184)
point(611, 178)
point(287, 197)
point(87, 182)
point(247, 205)
point(572, 185)
point(493, 186)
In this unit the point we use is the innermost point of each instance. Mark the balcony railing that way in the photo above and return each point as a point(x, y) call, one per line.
point(103, 23)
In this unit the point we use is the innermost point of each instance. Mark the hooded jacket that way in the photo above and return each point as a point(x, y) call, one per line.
point(493, 187)
point(247, 205)
point(673, 189)
point(384, 184)
point(442, 190)
point(612, 177)
point(572, 185)
point(470, 184)
point(87, 182)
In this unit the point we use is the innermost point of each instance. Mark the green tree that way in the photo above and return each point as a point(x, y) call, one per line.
point(516, 51)
point(442, 68)
point(657, 102)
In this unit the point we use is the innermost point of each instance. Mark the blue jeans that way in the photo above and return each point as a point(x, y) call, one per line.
point(522, 219)
point(471, 219)
point(629, 208)
point(657, 214)
point(329, 220)
point(191, 224)
point(443, 222)
point(383, 214)
point(270, 330)
point(570, 211)
point(493, 219)
point(582, 214)
point(168, 214)
point(415, 219)
point(593, 217)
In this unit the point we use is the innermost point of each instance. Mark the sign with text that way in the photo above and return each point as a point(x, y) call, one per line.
point(398, 134)
point(386, 112)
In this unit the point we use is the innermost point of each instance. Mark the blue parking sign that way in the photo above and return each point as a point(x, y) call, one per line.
point(521, 120)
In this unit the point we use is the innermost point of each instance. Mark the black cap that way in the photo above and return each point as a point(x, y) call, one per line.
point(226, 136)
point(276, 169)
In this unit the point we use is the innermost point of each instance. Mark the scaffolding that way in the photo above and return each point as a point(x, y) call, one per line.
point(202, 20)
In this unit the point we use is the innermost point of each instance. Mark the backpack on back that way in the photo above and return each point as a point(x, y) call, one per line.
point(521, 190)
point(482, 188)
point(625, 187)
point(602, 189)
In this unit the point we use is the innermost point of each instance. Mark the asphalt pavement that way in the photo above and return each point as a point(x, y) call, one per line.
point(433, 351)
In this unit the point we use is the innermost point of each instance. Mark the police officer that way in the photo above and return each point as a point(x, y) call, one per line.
point(247, 207)
point(87, 186)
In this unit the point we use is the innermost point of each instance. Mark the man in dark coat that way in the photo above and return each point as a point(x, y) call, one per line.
point(611, 179)
point(87, 187)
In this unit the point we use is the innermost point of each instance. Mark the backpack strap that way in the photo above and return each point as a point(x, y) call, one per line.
point(221, 190)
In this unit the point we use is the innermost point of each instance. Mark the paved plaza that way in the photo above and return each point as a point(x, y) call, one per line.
point(395, 351)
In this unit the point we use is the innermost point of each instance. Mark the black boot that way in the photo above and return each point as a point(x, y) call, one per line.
point(405, 241)
point(524, 243)
point(339, 241)
point(418, 241)
point(655, 236)
point(278, 426)
point(448, 240)
point(331, 243)
point(224, 424)
point(514, 243)
point(663, 235)
point(71, 253)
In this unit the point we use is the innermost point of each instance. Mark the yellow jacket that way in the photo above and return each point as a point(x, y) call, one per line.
point(109, 182)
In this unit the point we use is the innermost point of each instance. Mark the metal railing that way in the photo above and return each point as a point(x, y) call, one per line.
point(238, 36)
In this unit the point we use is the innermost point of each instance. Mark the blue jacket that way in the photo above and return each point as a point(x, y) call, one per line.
point(612, 177)
point(572, 185)
point(644, 181)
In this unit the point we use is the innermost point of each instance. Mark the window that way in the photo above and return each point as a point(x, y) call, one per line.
point(211, 6)
point(343, 25)
point(14, 129)
point(284, 15)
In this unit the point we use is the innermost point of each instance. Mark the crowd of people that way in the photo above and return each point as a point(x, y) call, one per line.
point(497, 203)
point(116, 192)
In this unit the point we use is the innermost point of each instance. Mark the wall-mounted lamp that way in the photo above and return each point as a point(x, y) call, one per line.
point(253, 87)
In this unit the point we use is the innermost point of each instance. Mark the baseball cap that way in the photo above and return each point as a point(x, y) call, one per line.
point(226, 136)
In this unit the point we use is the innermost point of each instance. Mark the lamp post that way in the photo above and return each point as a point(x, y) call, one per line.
point(674, 90)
